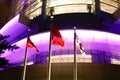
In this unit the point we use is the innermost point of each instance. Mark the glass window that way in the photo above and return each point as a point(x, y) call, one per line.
point(109, 6)
point(71, 6)
point(34, 9)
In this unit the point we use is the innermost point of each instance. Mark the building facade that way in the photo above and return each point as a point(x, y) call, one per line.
point(97, 26)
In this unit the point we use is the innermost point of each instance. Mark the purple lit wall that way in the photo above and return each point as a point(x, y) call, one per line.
point(94, 42)
point(13, 28)
point(91, 40)
point(117, 22)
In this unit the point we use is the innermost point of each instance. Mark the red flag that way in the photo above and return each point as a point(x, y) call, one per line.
point(31, 45)
point(57, 39)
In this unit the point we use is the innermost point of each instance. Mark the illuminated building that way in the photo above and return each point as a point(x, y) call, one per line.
point(97, 30)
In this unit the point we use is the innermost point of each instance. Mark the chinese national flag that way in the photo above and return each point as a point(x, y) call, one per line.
point(57, 39)
point(30, 44)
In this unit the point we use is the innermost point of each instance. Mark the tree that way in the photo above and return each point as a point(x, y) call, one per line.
point(4, 45)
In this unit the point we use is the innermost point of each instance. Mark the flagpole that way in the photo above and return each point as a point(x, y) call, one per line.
point(75, 62)
point(49, 59)
point(25, 60)
point(50, 47)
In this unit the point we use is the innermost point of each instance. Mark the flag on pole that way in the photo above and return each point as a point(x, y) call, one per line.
point(30, 44)
point(75, 61)
point(82, 50)
point(57, 39)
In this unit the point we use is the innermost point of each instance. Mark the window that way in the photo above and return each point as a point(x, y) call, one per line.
point(71, 6)
point(34, 9)
point(109, 6)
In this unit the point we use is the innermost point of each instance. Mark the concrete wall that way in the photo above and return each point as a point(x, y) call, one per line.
point(60, 71)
